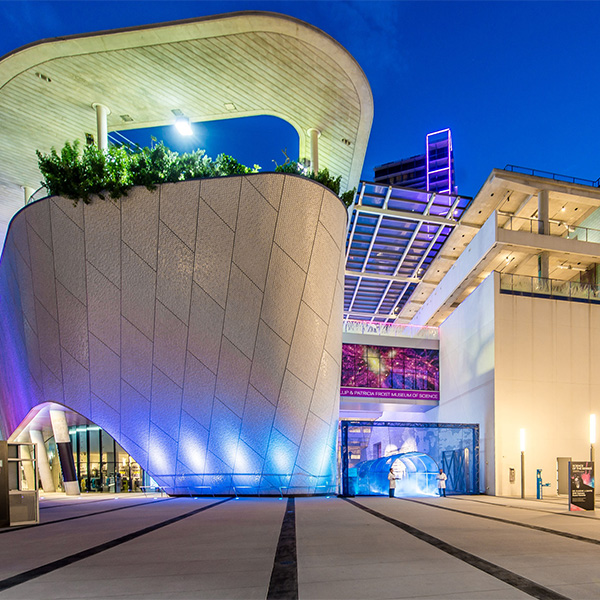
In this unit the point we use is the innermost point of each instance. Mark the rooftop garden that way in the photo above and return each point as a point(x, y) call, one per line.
point(80, 174)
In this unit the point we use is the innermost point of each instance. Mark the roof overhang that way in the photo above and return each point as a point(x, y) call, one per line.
point(262, 63)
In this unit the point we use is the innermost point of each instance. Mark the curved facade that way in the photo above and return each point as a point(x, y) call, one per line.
point(199, 325)
point(216, 67)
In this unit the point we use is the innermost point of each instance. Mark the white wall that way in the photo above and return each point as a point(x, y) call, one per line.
point(467, 373)
point(547, 381)
point(465, 265)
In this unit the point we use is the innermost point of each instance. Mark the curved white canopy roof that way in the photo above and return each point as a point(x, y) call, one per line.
point(262, 63)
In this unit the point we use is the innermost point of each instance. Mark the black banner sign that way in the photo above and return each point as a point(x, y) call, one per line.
point(581, 486)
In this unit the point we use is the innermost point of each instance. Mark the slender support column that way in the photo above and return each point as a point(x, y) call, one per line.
point(42, 459)
point(27, 193)
point(65, 451)
point(544, 229)
point(593, 460)
point(522, 474)
point(102, 113)
point(543, 213)
point(315, 134)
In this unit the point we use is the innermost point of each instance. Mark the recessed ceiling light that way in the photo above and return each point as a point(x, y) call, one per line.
point(177, 112)
point(230, 106)
point(43, 77)
point(127, 118)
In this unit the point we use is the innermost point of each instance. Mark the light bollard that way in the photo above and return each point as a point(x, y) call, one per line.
point(522, 436)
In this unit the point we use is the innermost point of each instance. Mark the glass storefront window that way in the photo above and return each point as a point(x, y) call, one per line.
point(101, 464)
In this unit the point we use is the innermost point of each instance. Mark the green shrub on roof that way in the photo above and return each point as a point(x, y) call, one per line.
point(80, 174)
point(322, 176)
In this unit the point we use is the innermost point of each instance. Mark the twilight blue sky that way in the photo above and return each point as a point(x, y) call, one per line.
point(518, 82)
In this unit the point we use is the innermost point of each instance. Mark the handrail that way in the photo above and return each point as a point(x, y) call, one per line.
point(555, 228)
point(554, 176)
point(525, 285)
point(391, 329)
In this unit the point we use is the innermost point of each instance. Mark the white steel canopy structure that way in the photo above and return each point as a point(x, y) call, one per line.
point(393, 236)
point(225, 66)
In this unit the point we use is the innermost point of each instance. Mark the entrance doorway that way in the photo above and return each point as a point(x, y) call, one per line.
point(101, 463)
point(366, 445)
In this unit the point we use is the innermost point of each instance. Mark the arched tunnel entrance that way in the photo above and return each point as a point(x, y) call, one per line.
point(86, 455)
point(414, 474)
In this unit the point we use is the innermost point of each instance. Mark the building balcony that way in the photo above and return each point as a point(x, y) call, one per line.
point(556, 289)
point(510, 245)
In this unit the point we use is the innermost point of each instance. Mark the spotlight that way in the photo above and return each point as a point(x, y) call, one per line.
point(182, 124)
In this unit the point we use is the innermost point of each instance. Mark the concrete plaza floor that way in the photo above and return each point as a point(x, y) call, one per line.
point(462, 547)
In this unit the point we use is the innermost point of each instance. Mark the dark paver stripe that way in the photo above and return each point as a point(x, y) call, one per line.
point(86, 502)
point(575, 515)
point(517, 581)
point(284, 577)
point(98, 512)
point(26, 576)
point(566, 534)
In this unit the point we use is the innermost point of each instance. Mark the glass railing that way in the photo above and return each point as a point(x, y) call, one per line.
point(245, 484)
point(554, 176)
point(551, 288)
point(391, 329)
point(556, 228)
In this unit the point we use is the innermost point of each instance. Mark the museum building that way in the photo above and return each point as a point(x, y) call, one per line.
point(248, 334)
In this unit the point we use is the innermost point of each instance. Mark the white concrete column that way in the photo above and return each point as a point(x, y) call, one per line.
point(543, 213)
point(102, 113)
point(544, 265)
point(42, 459)
point(27, 193)
point(27, 464)
point(65, 451)
point(544, 229)
point(315, 134)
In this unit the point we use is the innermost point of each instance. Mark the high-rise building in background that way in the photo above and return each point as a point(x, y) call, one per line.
point(433, 170)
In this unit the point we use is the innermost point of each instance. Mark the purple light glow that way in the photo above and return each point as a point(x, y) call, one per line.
point(438, 186)
point(350, 392)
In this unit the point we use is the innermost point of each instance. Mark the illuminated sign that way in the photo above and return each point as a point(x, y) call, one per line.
point(384, 372)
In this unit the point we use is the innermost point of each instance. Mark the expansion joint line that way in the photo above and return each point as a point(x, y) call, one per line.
point(517, 581)
point(26, 576)
point(284, 577)
point(565, 534)
point(84, 516)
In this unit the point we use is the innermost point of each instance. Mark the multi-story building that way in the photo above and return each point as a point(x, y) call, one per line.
point(516, 318)
point(433, 170)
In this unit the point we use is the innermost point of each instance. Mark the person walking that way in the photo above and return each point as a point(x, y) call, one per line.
point(392, 480)
point(441, 479)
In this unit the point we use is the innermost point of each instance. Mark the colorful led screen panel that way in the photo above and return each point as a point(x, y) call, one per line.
point(385, 368)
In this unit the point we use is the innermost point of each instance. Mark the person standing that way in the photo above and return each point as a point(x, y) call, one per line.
point(441, 479)
point(392, 480)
